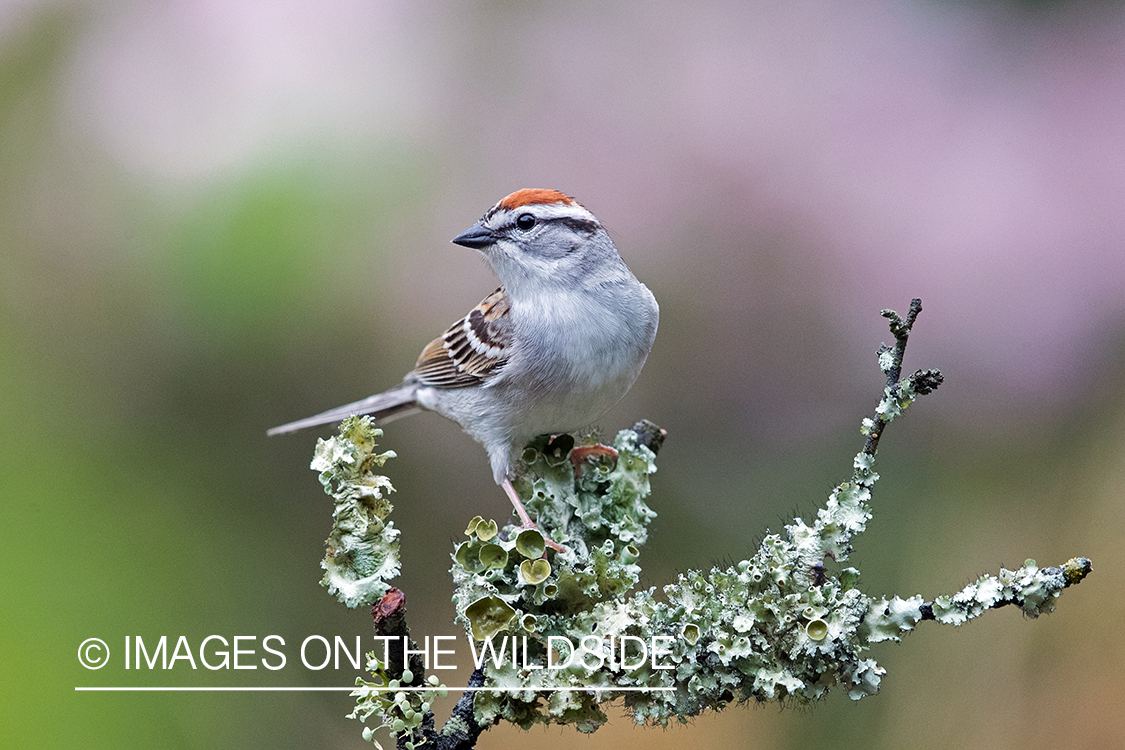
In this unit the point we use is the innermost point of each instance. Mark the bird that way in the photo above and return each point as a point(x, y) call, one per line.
point(548, 352)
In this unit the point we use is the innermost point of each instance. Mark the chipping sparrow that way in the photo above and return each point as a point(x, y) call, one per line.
point(559, 343)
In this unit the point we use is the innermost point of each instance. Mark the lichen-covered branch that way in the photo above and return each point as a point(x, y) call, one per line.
point(790, 622)
point(410, 717)
point(898, 394)
point(362, 549)
point(1031, 588)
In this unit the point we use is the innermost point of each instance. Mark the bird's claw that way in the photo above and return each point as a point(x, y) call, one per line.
point(582, 452)
point(525, 519)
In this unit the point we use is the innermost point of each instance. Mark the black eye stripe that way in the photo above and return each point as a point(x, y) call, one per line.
point(579, 225)
point(526, 221)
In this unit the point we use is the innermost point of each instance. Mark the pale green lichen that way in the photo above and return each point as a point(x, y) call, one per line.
point(488, 616)
point(817, 629)
point(765, 629)
point(534, 571)
point(399, 711)
point(530, 544)
point(777, 626)
point(362, 548)
point(886, 620)
point(788, 623)
point(1033, 588)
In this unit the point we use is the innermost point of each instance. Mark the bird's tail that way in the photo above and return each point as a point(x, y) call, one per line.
point(397, 402)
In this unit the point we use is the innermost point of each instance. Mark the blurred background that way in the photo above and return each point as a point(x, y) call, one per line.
point(218, 216)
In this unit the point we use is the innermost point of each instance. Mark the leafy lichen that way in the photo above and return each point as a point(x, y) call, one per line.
point(362, 548)
point(399, 711)
point(788, 623)
point(775, 626)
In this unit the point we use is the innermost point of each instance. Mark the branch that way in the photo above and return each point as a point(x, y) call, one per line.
point(460, 731)
point(788, 623)
point(898, 394)
point(1032, 589)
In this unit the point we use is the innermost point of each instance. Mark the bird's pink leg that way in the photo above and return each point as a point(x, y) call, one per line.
point(525, 520)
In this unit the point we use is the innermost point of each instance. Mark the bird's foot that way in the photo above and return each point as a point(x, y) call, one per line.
point(525, 519)
point(583, 452)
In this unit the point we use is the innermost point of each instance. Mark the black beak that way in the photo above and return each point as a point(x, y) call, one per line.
point(477, 237)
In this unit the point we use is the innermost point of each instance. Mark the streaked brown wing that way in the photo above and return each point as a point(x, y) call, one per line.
point(472, 349)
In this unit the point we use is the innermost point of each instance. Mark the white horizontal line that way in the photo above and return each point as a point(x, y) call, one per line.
point(597, 688)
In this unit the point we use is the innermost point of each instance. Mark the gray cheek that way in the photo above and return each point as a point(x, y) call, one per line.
point(556, 250)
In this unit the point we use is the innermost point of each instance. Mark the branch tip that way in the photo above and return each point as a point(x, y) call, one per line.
point(650, 435)
point(926, 381)
point(1075, 569)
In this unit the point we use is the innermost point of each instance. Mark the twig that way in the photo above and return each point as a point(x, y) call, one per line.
point(1070, 573)
point(890, 361)
point(461, 730)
